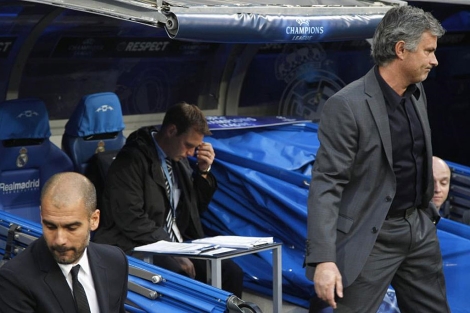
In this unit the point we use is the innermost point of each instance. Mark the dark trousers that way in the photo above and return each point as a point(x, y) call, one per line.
point(232, 274)
point(407, 255)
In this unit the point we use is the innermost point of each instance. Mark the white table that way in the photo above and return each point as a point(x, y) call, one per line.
point(214, 264)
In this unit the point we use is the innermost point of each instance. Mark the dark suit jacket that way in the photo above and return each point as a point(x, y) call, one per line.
point(33, 282)
point(353, 183)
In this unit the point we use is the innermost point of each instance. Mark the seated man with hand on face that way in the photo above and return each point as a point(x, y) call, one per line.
point(43, 278)
point(153, 193)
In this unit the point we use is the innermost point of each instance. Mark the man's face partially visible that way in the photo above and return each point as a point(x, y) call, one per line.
point(417, 64)
point(66, 230)
point(184, 145)
point(441, 175)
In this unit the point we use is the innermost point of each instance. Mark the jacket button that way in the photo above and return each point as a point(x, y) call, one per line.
point(374, 230)
point(388, 198)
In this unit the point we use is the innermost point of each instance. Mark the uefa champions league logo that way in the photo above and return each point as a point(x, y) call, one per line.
point(303, 22)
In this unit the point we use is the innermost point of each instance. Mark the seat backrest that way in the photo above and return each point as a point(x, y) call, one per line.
point(96, 173)
point(27, 157)
point(95, 126)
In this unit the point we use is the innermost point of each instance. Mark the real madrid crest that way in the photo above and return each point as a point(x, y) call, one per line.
point(310, 79)
point(100, 147)
point(22, 159)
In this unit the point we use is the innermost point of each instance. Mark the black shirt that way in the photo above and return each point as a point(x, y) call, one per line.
point(408, 147)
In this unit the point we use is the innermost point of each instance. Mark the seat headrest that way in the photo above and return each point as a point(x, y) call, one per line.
point(96, 114)
point(24, 119)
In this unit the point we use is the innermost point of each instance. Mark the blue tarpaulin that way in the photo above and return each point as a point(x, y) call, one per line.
point(263, 175)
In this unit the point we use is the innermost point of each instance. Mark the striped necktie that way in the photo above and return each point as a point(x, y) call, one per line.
point(169, 218)
point(79, 294)
point(170, 173)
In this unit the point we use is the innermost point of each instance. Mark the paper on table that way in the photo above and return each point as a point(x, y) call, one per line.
point(217, 251)
point(163, 246)
point(236, 241)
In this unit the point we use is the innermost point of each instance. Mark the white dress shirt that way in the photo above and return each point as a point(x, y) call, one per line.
point(85, 278)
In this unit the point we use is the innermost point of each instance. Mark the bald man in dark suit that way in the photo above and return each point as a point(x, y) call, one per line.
point(39, 280)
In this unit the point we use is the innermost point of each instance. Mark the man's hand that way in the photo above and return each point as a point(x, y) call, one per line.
point(187, 266)
point(205, 156)
point(327, 279)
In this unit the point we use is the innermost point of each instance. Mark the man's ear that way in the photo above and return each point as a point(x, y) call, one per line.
point(95, 220)
point(400, 49)
point(172, 130)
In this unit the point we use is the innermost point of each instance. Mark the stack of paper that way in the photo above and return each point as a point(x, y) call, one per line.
point(236, 241)
point(163, 246)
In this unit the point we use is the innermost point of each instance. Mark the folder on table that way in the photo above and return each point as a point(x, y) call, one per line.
point(236, 241)
point(163, 246)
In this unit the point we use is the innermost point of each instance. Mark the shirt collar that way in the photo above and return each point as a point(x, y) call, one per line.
point(391, 97)
point(84, 265)
point(160, 151)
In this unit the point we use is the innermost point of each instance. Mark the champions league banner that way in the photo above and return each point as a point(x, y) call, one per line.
point(241, 122)
point(257, 28)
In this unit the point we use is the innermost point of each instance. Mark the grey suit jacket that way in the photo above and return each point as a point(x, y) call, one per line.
point(33, 282)
point(353, 183)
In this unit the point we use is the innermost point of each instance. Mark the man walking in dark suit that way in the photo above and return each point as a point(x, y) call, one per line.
point(372, 179)
point(42, 278)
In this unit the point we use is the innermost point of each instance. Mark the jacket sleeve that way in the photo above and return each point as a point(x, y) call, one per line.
point(14, 295)
point(330, 174)
point(127, 193)
point(205, 189)
point(125, 273)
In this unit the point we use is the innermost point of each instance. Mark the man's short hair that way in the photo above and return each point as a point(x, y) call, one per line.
point(185, 116)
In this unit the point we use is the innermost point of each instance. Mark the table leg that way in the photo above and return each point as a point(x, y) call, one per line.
point(216, 273)
point(148, 258)
point(277, 280)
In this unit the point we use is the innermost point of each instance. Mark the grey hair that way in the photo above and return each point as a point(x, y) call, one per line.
point(406, 23)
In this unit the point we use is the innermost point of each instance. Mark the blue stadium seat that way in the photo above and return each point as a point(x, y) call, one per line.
point(95, 126)
point(28, 158)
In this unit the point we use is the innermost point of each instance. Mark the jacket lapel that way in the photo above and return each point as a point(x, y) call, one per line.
point(378, 109)
point(53, 276)
point(100, 277)
point(186, 190)
point(420, 107)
